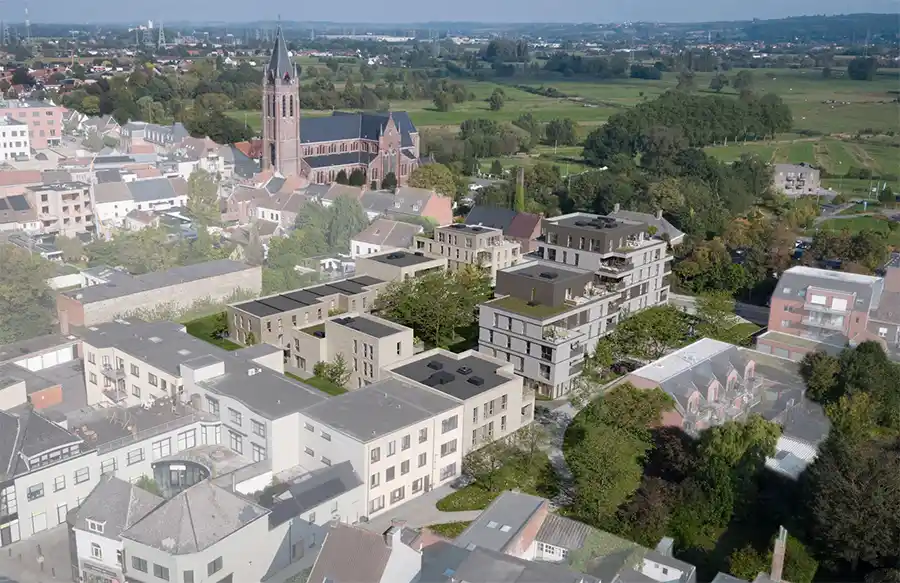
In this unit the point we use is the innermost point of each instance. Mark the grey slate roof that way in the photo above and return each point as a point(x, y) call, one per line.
point(112, 192)
point(501, 521)
point(339, 159)
point(498, 218)
point(109, 175)
point(487, 566)
point(350, 555)
point(388, 233)
point(151, 189)
point(194, 519)
point(662, 225)
point(563, 532)
point(28, 434)
point(347, 126)
point(797, 279)
point(116, 503)
point(312, 490)
point(378, 409)
point(280, 65)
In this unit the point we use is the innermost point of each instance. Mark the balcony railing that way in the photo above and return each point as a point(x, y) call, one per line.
point(112, 373)
point(116, 395)
point(616, 266)
point(827, 323)
point(821, 308)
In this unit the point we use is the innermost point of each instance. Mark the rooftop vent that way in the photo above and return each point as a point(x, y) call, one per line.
point(477, 229)
point(457, 226)
point(319, 334)
point(184, 352)
point(492, 524)
point(439, 378)
point(155, 339)
point(477, 381)
point(435, 365)
point(548, 275)
point(464, 370)
point(582, 224)
point(397, 255)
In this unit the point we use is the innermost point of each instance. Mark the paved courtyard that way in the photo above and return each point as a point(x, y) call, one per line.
point(19, 562)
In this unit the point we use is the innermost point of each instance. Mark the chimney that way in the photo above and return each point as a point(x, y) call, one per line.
point(617, 207)
point(392, 534)
point(778, 555)
point(658, 214)
point(64, 322)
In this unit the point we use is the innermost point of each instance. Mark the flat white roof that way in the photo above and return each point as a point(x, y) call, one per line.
point(833, 275)
point(682, 360)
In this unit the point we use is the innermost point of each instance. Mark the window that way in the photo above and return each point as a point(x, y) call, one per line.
point(405, 443)
point(817, 299)
point(136, 391)
point(417, 486)
point(882, 332)
point(259, 452)
point(309, 427)
point(39, 521)
point(503, 423)
point(36, 491)
point(398, 494)
point(213, 406)
point(448, 471)
point(108, 466)
point(326, 436)
point(376, 504)
point(160, 572)
point(235, 417)
point(326, 461)
point(375, 454)
point(423, 459)
point(448, 448)
point(309, 452)
point(214, 566)
point(188, 577)
point(449, 424)
point(93, 378)
point(297, 551)
point(187, 439)
point(503, 401)
point(135, 456)
point(392, 448)
point(258, 428)
point(398, 349)
point(59, 483)
point(139, 564)
point(375, 480)
point(92, 358)
point(162, 448)
point(423, 435)
point(96, 551)
point(82, 475)
point(95, 526)
point(135, 371)
point(475, 415)
point(151, 378)
point(404, 468)
point(389, 474)
point(237, 442)
point(838, 304)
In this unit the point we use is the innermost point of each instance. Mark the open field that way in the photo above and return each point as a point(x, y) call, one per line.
point(568, 158)
point(868, 223)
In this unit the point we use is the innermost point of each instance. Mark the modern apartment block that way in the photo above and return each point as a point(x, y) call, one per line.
point(471, 245)
point(270, 319)
point(63, 208)
point(157, 292)
point(15, 144)
point(494, 402)
point(796, 179)
point(546, 319)
point(365, 342)
point(820, 309)
point(43, 118)
point(398, 265)
point(622, 252)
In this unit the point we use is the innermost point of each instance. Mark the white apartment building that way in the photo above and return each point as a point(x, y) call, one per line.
point(14, 140)
point(471, 245)
point(365, 342)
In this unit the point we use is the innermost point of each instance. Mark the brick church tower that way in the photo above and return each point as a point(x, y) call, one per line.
point(281, 112)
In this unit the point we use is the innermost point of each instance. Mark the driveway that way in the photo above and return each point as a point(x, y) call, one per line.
point(421, 512)
point(41, 559)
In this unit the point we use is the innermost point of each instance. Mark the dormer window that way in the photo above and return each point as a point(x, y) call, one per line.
point(96, 526)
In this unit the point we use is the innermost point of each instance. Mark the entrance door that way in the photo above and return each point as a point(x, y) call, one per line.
point(61, 512)
point(428, 483)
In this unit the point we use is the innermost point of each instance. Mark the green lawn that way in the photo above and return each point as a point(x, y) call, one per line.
point(540, 481)
point(205, 328)
point(449, 530)
point(859, 208)
point(523, 308)
point(323, 385)
point(745, 330)
point(868, 223)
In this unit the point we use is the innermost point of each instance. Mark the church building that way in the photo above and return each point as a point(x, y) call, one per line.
point(318, 148)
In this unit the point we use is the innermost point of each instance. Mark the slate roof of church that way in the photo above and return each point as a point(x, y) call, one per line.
point(349, 126)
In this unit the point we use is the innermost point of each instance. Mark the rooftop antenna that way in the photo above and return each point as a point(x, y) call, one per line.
point(161, 39)
point(28, 27)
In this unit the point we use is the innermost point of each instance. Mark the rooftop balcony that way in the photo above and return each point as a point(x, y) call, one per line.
point(823, 308)
point(111, 373)
point(826, 323)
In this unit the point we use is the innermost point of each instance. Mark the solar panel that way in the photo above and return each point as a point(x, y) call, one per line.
point(18, 203)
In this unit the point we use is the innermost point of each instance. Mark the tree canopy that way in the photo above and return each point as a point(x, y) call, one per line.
point(27, 308)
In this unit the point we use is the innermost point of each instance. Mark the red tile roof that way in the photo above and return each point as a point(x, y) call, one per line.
point(524, 226)
point(15, 177)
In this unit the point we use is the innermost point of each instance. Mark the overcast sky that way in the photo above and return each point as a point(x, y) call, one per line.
point(404, 11)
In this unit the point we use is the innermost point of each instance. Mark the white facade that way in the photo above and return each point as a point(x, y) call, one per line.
point(361, 248)
point(14, 140)
point(113, 213)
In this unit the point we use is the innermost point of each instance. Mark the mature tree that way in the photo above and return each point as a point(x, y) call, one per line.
point(859, 69)
point(290, 251)
point(672, 456)
point(686, 81)
point(347, 218)
point(26, 302)
point(752, 439)
point(342, 178)
point(718, 82)
point(389, 182)
point(645, 517)
point(255, 253)
point(203, 197)
point(820, 372)
point(852, 496)
point(886, 196)
point(531, 439)
point(483, 464)
point(746, 563)
point(715, 311)
point(436, 177)
point(336, 372)
point(357, 177)
point(743, 81)
point(651, 333)
point(854, 417)
point(606, 465)
point(497, 99)
point(443, 101)
point(496, 168)
point(21, 76)
point(633, 411)
point(72, 248)
point(561, 132)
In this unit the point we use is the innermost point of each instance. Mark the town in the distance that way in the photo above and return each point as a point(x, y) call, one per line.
point(286, 302)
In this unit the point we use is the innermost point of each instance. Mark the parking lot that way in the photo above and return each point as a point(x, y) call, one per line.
point(42, 558)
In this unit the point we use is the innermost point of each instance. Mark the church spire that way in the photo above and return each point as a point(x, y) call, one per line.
point(280, 67)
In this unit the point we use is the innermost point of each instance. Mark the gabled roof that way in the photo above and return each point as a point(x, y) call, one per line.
point(26, 435)
point(663, 226)
point(280, 65)
point(111, 192)
point(388, 233)
point(151, 189)
point(512, 223)
point(350, 555)
point(116, 503)
point(347, 126)
point(195, 519)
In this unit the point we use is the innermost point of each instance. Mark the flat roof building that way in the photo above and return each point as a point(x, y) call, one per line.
point(463, 244)
point(399, 265)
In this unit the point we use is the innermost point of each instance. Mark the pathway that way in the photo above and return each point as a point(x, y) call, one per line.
point(421, 512)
